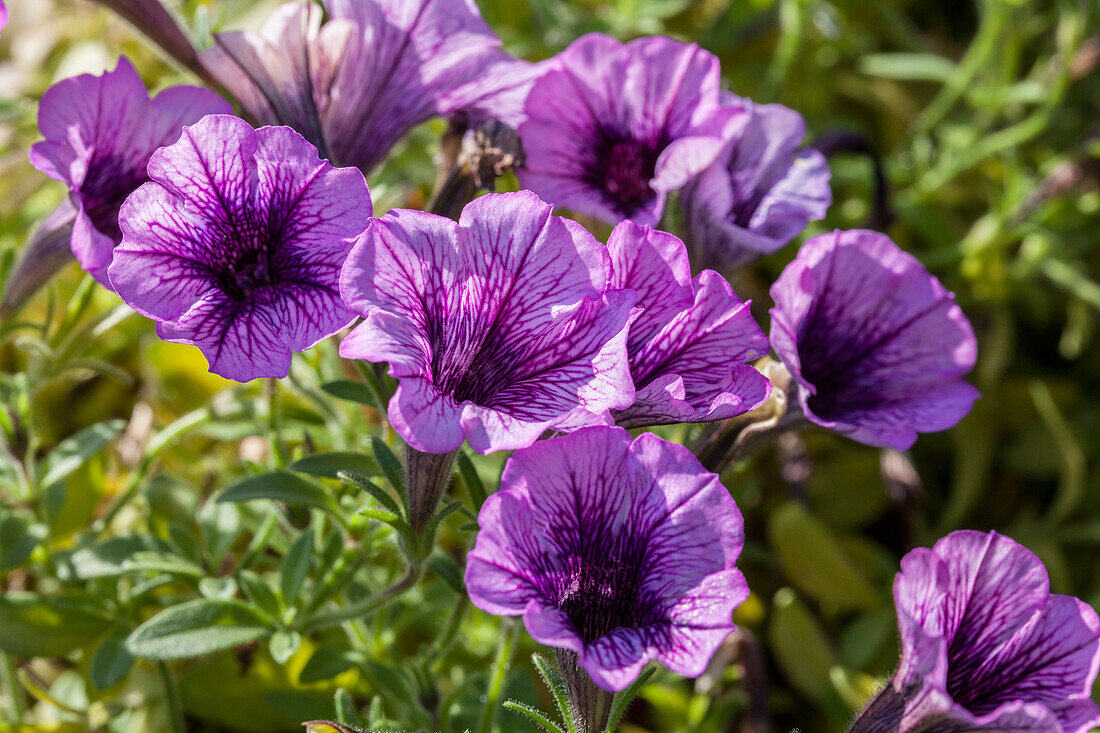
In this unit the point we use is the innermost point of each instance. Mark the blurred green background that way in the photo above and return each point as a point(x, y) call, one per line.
point(984, 120)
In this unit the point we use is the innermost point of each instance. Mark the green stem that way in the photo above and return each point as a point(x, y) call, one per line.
point(500, 670)
point(278, 450)
point(172, 697)
point(367, 607)
point(439, 648)
point(11, 686)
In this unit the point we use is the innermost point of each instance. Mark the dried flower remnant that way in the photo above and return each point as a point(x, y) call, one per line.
point(236, 244)
point(986, 646)
point(610, 129)
point(498, 327)
point(760, 193)
point(354, 85)
point(875, 343)
point(689, 347)
point(100, 132)
point(618, 550)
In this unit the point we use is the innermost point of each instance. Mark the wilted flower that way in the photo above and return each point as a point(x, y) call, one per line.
point(610, 129)
point(497, 327)
point(689, 346)
point(986, 645)
point(619, 550)
point(100, 132)
point(875, 343)
point(236, 244)
point(355, 85)
point(760, 193)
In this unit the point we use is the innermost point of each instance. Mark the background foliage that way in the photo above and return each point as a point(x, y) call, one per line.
point(125, 467)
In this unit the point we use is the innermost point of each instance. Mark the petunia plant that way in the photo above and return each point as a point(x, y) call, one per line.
point(364, 448)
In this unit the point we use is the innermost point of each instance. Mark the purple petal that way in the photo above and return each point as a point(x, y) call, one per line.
point(505, 314)
point(688, 346)
point(875, 342)
point(100, 132)
point(237, 243)
point(620, 550)
point(760, 192)
point(610, 129)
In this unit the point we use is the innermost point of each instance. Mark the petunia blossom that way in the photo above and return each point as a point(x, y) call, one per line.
point(497, 327)
point(356, 84)
point(619, 550)
point(689, 346)
point(610, 129)
point(875, 343)
point(760, 193)
point(985, 645)
point(100, 132)
point(236, 244)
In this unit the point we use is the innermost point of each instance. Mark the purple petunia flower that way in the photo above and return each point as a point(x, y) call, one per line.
point(689, 346)
point(236, 244)
point(100, 132)
point(610, 129)
point(986, 646)
point(3, 15)
point(760, 193)
point(620, 550)
point(498, 327)
point(875, 343)
point(355, 85)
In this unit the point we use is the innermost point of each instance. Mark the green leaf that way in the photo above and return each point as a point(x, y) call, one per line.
point(111, 661)
point(400, 525)
point(198, 627)
point(364, 483)
point(814, 561)
point(551, 675)
point(47, 626)
point(73, 452)
point(800, 646)
point(447, 569)
point(907, 66)
point(279, 486)
point(391, 467)
point(533, 714)
point(328, 661)
point(623, 699)
point(156, 562)
point(283, 645)
point(473, 483)
point(259, 592)
point(18, 538)
point(296, 566)
point(346, 389)
point(329, 465)
point(107, 559)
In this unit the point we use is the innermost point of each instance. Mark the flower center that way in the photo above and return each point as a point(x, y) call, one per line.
point(252, 270)
point(110, 179)
point(623, 168)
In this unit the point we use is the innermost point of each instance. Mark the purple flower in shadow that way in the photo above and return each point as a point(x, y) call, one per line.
point(875, 343)
point(610, 129)
point(100, 132)
point(689, 346)
point(356, 84)
point(619, 550)
point(236, 244)
point(760, 193)
point(985, 645)
point(498, 327)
